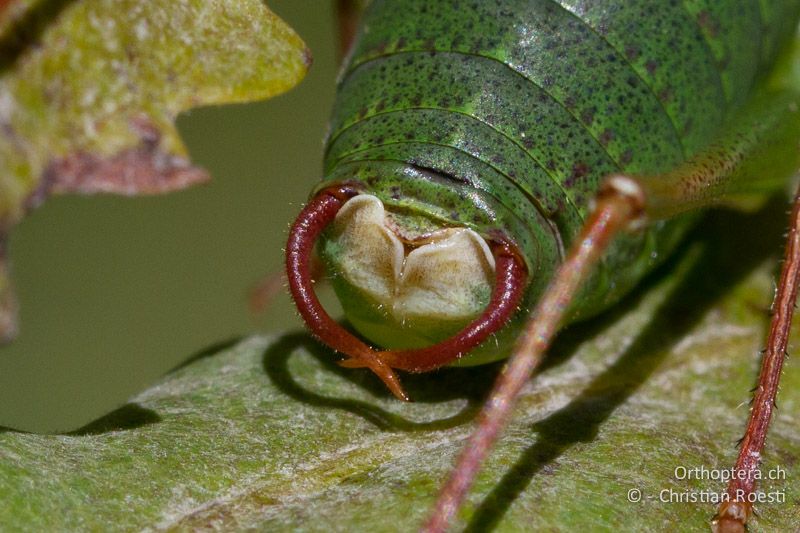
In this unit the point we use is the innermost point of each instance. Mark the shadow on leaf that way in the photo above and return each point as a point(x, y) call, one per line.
point(470, 384)
point(209, 351)
point(129, 416)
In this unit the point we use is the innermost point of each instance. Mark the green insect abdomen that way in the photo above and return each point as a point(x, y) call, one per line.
point(529, 104)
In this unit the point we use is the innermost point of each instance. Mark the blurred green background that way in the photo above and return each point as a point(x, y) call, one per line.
point(114, 292)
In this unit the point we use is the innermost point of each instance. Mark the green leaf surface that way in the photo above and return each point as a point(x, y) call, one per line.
point(270, 434)
point(89, 91)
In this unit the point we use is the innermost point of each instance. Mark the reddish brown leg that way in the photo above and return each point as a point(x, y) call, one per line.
point(732, 515)
point(616, 209)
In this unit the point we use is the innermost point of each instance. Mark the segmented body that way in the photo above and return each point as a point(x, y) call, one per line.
point(506, 115)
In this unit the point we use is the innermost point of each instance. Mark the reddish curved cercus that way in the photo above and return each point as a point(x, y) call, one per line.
point(511, 279)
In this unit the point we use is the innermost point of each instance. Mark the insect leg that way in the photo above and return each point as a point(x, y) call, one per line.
point(618, 205)
point(732, 515)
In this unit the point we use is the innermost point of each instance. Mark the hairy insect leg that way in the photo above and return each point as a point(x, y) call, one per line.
point(619, 204)
point(733, 514)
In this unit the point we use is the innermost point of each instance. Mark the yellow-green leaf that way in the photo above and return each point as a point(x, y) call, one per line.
point(89, 90)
